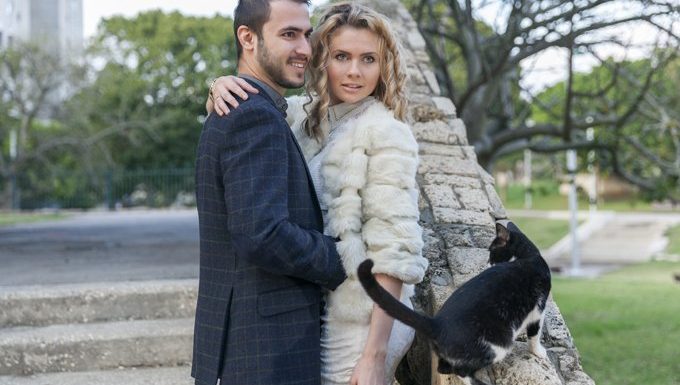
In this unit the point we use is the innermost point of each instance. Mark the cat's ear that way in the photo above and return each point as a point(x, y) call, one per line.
point(502, 233)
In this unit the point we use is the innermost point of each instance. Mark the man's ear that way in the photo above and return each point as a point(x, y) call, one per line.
point(246, 37)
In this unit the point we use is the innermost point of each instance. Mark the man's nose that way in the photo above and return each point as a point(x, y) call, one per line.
point(304, 48)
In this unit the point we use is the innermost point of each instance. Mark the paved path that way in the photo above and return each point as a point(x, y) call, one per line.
point(101, 246)
point(147, 245)
point(608, 240)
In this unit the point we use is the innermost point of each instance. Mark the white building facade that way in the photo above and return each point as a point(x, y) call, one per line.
point(57, 25)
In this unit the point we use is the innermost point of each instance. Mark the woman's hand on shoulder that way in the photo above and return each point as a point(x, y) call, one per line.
point(221, 96)
point(369, 370)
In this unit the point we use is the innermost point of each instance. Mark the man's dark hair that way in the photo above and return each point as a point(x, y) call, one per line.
point(253, 14)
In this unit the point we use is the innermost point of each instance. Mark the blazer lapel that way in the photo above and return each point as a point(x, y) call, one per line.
point(315, 199)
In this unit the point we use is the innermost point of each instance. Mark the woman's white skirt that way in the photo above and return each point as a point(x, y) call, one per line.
point(343, 342)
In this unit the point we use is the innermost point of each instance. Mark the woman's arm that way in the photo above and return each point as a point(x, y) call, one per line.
point(370, 369)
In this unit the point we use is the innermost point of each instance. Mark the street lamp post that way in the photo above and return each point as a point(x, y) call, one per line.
point(13, 177)
point(528, 201)
point(573, 213)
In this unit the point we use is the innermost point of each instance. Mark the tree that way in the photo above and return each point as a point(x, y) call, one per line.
point(154, 84)
point(480, 68)
point(29, 77)
point(633, 112)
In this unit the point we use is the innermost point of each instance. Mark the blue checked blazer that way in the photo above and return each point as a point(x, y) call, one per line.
point(264, 259)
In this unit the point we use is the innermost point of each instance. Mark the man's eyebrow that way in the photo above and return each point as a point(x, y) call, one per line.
point(295, 29)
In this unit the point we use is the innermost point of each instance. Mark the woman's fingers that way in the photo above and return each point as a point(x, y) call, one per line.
point(224, 90)
point(245, 88)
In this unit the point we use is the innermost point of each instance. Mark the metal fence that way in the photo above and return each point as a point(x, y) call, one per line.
point(106, 189)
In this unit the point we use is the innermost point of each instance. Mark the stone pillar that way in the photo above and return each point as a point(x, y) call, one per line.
point(459, 206)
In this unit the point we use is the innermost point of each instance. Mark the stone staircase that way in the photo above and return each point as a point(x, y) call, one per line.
point(101, 333)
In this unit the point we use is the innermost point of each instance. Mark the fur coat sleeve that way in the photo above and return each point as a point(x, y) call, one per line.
point(372, 196)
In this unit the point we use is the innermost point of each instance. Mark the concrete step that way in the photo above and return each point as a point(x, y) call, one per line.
point(130, 376)
point(95, 346)
point(96, 302)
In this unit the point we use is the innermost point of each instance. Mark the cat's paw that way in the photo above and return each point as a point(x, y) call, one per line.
point(539, 351)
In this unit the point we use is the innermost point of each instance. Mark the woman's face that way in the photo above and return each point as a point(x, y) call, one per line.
point(354, 67)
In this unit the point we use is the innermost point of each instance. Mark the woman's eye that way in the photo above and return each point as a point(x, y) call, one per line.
point(369, 59)
point(341, 56)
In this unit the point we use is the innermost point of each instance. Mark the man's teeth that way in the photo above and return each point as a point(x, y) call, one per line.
point(298, 65)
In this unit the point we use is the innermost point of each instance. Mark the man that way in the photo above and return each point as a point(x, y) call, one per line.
point(264, 259)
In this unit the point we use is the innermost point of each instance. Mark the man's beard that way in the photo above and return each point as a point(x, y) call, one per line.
point(276, 71)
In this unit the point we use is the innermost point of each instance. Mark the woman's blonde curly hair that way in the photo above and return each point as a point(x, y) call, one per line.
point(390, 88)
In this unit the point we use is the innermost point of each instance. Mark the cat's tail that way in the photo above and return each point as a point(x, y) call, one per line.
point(391, 305)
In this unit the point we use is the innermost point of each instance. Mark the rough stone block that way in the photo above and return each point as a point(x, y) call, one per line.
point(459, 130)
point(457, 236)
point(441, 196)
point(482, 236)
point(436, 131)
point(445, 104)
point(557, 332)
point(449, 215)
point(431, 80)
point(486, 177)
point(440, 164)
point(452, 180)
point(470, 153)
point(415, 40)
point(438, 295)
point(522, 367)
point(473, 199)
point(497, 209)
point(467, 260)
point(441, 149)
point(415, 76)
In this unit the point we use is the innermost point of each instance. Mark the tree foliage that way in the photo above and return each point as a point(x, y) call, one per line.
point(482, 68)
point(633, 112)
point(31, 82)
point(153, 84)
point(133, 101)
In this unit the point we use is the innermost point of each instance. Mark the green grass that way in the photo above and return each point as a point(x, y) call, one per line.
point(8, 219)
point(543, 232)
point(626, 324)
point(673, 235)
point(546, 197)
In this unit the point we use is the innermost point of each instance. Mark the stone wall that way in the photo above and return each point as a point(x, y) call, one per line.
point(459, 207)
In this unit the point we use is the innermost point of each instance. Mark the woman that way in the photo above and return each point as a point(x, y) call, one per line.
point(363, 162)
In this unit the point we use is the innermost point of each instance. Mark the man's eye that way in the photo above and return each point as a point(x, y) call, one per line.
point(289, 34)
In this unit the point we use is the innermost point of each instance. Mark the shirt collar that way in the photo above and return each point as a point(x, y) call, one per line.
point(279, 101)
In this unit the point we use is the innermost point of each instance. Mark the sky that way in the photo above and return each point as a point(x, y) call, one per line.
point(547, 68)
point(95, 10)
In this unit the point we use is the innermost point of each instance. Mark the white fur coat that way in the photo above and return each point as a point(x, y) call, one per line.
point(372, 199)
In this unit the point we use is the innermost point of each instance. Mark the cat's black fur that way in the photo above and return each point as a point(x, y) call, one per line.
point(477, 325)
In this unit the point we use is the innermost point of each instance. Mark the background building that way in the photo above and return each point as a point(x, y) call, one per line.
point(57, 25)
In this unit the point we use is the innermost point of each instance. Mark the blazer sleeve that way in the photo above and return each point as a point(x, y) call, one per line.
point(391, 231)
point(255, 176)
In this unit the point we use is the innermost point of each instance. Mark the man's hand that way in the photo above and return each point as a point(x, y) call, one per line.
point(222, 92)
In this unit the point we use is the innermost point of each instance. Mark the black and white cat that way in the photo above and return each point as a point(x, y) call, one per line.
point(478, 323)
